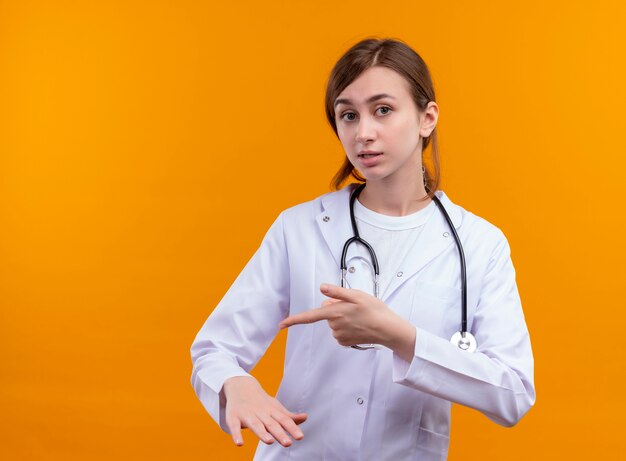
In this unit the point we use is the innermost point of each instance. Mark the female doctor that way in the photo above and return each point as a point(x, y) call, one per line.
point(371, 369)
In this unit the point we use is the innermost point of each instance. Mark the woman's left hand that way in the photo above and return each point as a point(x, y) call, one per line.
point(357, 317)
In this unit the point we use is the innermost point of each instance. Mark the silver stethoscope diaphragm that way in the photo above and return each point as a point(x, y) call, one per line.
point(464, 341)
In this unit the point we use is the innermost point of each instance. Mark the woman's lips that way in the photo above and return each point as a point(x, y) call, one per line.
point(368, 160)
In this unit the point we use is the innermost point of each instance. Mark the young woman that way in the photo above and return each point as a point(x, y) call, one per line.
point(385, 332)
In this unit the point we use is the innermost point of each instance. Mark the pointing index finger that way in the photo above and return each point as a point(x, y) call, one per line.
point(312, 316)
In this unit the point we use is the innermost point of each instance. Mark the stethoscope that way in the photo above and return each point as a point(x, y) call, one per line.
point(463, 339)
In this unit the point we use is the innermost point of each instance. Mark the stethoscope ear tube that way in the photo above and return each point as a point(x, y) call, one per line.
point(357, 238)
point(463, 339)
point(463, 268)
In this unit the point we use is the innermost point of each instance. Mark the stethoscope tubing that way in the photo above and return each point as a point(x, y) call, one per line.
point(357, 238)
point(463, 266)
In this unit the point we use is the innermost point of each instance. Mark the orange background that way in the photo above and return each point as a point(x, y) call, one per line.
point(146, 147)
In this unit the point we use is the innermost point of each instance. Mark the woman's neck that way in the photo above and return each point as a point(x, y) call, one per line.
point(394, 199)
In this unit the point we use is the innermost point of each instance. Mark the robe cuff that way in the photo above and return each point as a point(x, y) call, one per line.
point(404, 372)
point(208, 387)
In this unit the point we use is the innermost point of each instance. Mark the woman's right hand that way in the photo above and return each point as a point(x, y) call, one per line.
point(249, 406)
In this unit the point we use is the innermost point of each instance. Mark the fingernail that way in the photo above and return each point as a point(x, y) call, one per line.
point(324, 287)
point(299, 434)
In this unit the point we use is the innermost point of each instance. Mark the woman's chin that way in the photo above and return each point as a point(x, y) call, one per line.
point(372, 174)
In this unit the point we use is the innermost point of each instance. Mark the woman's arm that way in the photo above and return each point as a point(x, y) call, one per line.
point(497, 379)
point(236, 335)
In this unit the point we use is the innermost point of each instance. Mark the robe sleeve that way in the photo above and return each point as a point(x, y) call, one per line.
point(243, 324)
point(497, 379)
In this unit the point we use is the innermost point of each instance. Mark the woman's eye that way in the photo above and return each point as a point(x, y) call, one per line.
point(351, 116)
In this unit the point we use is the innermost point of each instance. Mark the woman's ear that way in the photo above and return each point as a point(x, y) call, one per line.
point(428, 119)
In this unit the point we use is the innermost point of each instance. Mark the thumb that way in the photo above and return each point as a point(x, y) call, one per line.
point(234, 425)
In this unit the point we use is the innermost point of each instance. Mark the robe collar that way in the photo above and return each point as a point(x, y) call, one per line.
point(335, 227)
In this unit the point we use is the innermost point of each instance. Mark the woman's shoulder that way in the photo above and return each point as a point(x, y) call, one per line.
point(469, 223)
point(311, 208)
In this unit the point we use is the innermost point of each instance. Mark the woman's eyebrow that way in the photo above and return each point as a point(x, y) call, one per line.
point(376, 97)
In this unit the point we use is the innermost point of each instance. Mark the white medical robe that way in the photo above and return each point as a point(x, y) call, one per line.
point(373, 405)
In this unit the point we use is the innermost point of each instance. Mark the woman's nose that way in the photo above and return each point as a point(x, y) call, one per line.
point(365, 131)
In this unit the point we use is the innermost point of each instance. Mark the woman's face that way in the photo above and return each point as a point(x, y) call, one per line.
point(376, 113)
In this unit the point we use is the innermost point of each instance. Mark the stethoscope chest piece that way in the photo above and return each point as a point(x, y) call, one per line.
point(464, 341)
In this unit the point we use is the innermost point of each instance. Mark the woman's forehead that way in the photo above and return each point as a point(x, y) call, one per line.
point(374, 84)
